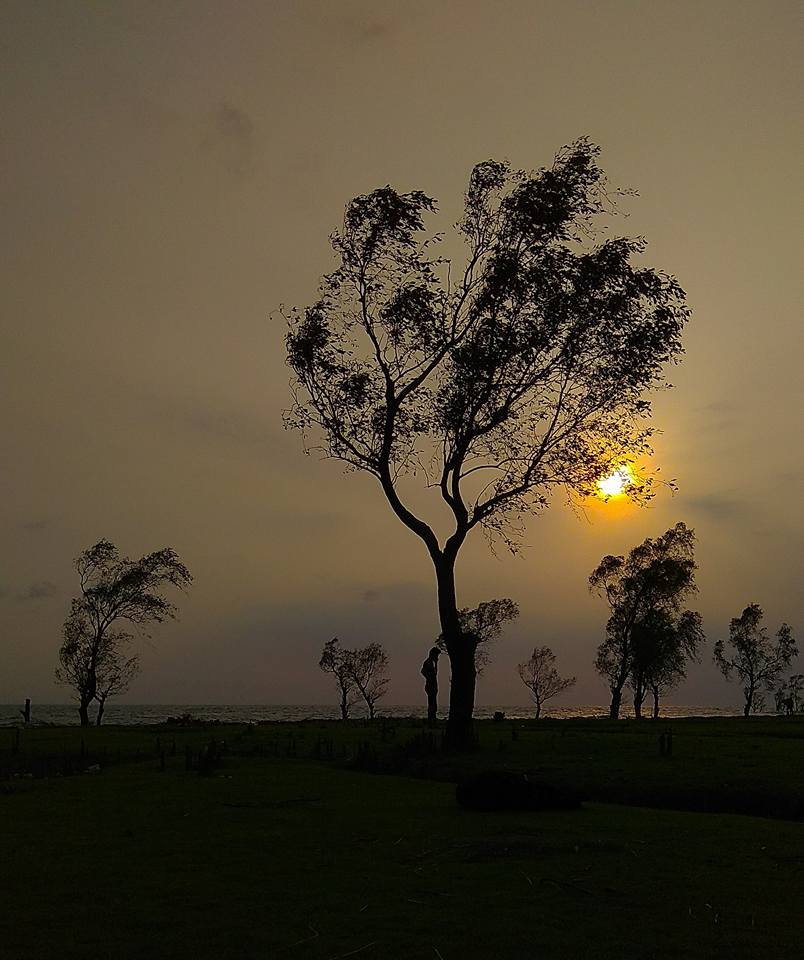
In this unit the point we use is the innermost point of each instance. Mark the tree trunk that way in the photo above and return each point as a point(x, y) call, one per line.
point(99, 717)
point(344, 700)
point(538, 709)
point(463, 674)
point(749, 691)
point(460, 727)
point(83, 713)
point(655, 690)
point(616, 701)
point(370, 709)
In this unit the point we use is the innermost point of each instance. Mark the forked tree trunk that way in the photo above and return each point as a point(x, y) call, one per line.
point(463, 674)
point(83, 713)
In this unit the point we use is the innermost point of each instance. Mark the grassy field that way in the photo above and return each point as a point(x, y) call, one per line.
point(305, 856)
point(731, 765)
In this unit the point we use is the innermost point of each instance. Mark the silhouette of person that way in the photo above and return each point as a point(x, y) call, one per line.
point(430, 673)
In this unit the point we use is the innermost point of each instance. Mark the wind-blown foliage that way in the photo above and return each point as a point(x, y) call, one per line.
point(757, 660)
point(114, 589)
point(644, 589)
point(521, 371)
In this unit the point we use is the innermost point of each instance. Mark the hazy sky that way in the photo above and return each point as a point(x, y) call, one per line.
point(171, 173)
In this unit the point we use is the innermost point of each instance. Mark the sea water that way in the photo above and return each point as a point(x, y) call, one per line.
point(124, 713)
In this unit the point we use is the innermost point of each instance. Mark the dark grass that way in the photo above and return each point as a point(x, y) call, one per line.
point(281, 858)
point(288, 848)
point(731, 765)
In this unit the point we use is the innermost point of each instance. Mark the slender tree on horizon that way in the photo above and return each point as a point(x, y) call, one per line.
point(93, 656)
point(335, 660)
point(540, 676)
point(757, 659)
point(367, 666)
point(496, 380)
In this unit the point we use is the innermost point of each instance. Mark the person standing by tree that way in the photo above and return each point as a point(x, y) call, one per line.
point(521, 371)
point(757, 660)
point(430, 673)
point(114, 590)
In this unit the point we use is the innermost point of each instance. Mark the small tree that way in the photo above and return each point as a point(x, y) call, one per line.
point(114, 589)
point(662, 647)
point(789, 694)
point(115, 673)
point(516, 373)
point(757, 660)
point(540, 676)
point(651, 582)
point(480, 627)
point(335, 660)
point(367, 666)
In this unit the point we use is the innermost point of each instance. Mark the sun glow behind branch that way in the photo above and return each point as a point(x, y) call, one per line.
point(614, 485)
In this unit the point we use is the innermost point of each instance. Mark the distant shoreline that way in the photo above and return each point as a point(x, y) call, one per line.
point(149, 714)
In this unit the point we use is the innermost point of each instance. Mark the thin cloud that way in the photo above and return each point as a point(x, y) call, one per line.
point(41, 590)
point(720, 506)
point(37, 525)
point(230, 139)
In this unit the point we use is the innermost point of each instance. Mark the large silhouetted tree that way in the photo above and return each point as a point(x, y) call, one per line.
point(649, 584)
point(114, 590)
point(758, 660)
point(540, 676)
point(520, 370)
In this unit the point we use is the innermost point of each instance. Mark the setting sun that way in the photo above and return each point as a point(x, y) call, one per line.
point(615, 483)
